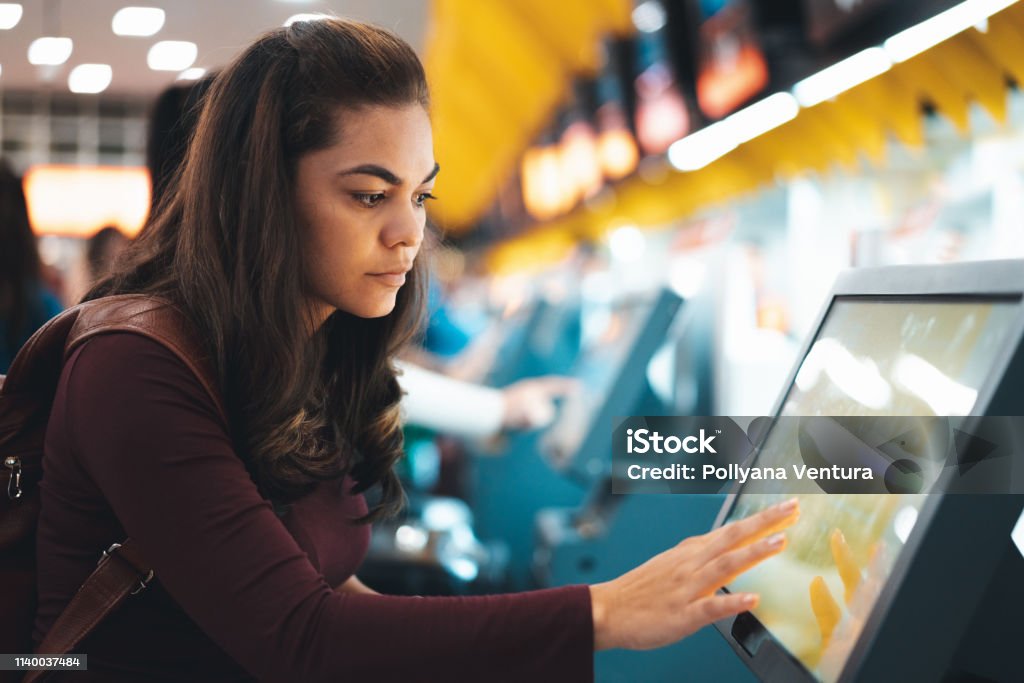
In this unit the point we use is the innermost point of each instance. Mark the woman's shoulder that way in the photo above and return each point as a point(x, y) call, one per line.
point(132, 369)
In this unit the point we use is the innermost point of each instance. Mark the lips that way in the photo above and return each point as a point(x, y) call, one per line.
point(393, 278)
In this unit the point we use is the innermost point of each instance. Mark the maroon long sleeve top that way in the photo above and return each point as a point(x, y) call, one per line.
point(136, 448)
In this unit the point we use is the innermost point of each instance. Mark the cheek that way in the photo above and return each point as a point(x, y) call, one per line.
point(338, 250)
point(320, 244)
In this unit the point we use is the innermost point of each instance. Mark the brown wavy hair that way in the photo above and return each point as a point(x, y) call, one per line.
point(224, 246)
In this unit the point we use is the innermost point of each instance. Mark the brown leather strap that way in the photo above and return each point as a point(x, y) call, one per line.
point(121, 572)
point(153, 318)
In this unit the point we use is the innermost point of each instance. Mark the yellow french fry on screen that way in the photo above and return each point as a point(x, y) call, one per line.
point(847, 566)
point(826, 609)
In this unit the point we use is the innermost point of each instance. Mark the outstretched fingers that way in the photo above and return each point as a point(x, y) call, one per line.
point(746, 531)
point(717, 607)
point(724, 568)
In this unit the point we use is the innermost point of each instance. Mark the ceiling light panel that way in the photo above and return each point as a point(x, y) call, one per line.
point(49, 50)
point(138, 21)
point(172, 55)
point(305, 16)
point(193, 74)
point(90, 78)
point(10, 15)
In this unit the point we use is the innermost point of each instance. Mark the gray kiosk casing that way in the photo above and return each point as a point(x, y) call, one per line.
point(953, 605)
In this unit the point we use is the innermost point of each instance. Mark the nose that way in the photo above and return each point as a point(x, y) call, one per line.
point(404, 229)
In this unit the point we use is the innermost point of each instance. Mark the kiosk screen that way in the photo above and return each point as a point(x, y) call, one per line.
point(609, 334)
point(872, 356)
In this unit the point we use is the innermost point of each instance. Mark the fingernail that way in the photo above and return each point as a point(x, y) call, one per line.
point(775, 541)
point(789, 505)
point(749, 600)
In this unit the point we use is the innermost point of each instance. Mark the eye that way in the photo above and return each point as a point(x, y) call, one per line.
point(369, 200)
point(423, 198)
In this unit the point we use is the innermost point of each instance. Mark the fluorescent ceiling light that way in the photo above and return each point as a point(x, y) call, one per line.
point(193, 74)
point(49, 50)
point(1018, 533)
point(763, 116)
point(942, 26)
point(699, 149)
point(305, 17)
point(137, 21)
point(90, 78)
point(842, 76)
point(10, 14)
point(172, 55)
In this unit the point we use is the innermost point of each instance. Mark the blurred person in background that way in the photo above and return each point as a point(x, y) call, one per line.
point(98, 257)
point(172, 121)
point(25, 303)
point(102, 250)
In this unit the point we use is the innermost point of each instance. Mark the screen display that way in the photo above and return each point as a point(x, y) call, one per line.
point(886, 357)
point(731, 67)
point(608, 335)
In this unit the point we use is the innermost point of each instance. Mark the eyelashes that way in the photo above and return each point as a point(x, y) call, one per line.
point(372, 200)
point(369, 200)
point(424, 197)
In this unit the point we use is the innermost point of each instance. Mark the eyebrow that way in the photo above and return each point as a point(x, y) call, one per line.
point(386, 175)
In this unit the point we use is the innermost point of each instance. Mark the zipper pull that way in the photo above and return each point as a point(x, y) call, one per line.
point(14, 484)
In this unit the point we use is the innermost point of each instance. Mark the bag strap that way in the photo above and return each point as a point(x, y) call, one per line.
point(121, 571)
point(151, 317)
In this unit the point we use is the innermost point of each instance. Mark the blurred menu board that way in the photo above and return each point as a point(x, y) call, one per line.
point(731, 66)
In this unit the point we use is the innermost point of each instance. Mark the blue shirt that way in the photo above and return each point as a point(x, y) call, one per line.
point(43, 305)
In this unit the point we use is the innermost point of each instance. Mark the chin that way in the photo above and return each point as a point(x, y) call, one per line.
point(376, 309)
point(366, 303)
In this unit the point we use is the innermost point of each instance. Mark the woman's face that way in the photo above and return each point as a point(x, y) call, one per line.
point(361, 206)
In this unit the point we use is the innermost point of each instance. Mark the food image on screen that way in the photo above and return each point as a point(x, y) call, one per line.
point(884, 357)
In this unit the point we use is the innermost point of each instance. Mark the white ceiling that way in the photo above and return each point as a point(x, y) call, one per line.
point(219, 27)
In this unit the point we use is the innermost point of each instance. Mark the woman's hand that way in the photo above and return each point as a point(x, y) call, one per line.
point(673, 594)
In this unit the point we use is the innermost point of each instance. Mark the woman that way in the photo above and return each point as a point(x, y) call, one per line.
point(25, 304)
point(289, 241)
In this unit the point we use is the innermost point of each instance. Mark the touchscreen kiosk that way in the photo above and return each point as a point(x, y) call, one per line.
point(545, 340)
point(837, 603)
point(613, 378)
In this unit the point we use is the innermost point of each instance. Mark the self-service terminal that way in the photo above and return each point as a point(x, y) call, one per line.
point(922, 587)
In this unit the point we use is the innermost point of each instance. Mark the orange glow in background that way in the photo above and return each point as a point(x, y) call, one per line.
point(77, 201)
